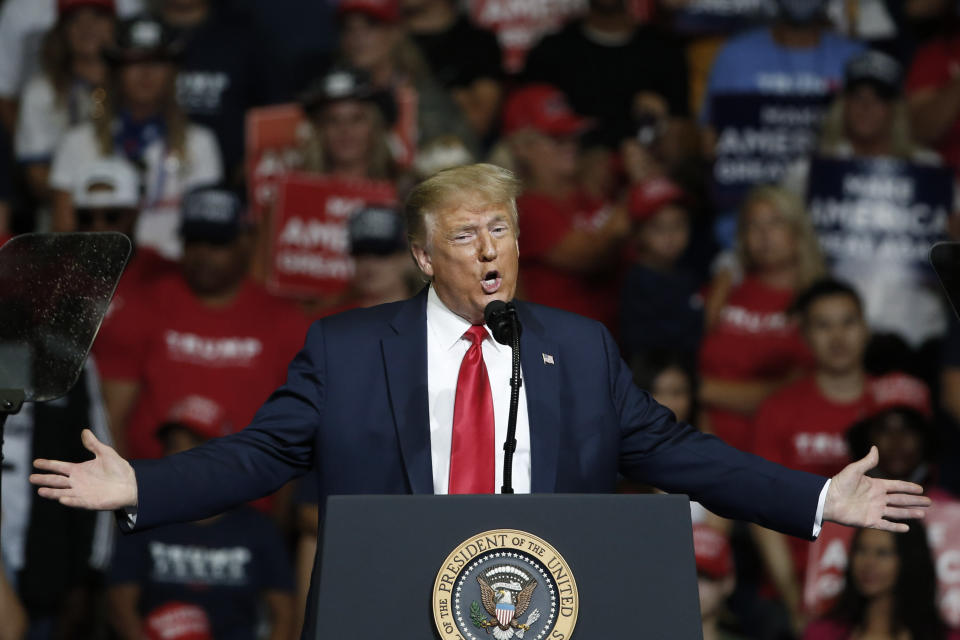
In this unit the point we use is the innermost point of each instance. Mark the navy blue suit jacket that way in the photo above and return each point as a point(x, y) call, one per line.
point(354, 408)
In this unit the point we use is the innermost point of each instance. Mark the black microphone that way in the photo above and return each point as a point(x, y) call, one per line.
point(501, 317)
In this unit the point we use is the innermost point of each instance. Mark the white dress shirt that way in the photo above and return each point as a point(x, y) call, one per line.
point(446, 347)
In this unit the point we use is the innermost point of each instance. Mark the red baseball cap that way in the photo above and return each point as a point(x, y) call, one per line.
point(646, 198)
point(711, 549)
point(542, 108)
point(381, 10)
point(898, 390)
point(203, 416)
point(178, 621)
point(65, 6)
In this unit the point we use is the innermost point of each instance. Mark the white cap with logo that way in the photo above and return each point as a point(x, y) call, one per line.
point(107, 183)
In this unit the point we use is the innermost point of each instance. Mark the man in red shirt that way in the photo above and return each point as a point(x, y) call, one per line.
point(802, 426)
point(570, 242)
point(210, 331)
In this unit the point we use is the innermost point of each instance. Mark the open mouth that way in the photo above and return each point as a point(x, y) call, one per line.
point(491, 282)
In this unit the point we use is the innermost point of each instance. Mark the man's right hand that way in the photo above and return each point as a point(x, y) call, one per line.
point(105, 483)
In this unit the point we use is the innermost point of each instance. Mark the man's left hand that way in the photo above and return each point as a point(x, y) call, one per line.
point(857, 500)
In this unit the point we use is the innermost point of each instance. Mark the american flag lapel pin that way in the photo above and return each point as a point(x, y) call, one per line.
point(547, 358)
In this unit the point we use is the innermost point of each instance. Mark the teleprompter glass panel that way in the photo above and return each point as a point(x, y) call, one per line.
point(54, 291)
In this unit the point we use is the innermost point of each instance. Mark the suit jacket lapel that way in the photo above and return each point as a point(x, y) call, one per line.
point(405, 360)
point(540, 359)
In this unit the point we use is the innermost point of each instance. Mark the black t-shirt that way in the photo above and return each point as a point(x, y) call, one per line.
point(601, 80)
point(660, 311)
point(223, 566)
point(224, 70)
point(462, 54)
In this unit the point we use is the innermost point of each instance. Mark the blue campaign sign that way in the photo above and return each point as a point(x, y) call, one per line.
point(876, 220)
point(758, 137)
point(879, 210)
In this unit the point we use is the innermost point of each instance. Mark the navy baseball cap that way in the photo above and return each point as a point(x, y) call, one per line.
point(212, 214)
point(377, 231)
point(876, 69)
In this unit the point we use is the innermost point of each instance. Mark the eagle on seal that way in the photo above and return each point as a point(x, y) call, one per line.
point(500, 603)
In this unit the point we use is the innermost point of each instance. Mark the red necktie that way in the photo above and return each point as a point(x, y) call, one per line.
point(472, 463)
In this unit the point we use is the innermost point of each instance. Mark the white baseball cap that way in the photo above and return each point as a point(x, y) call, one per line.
point(108, 183)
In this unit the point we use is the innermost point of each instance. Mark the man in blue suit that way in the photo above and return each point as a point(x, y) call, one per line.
point(373, 403)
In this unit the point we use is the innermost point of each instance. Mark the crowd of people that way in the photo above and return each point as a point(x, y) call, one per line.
point(744, 193)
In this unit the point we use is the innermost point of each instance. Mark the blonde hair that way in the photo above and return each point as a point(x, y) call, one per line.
point(104, 114)
point(833, 133)
point(809, 257)
point(315, 153)
point(484, 184)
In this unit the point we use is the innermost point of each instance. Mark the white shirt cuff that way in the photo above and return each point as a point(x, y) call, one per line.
point(131, 513)
point(818, 520)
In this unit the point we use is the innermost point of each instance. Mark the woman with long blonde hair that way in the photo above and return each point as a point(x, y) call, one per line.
point(138, 120)
point(67, 89)
point(752, 347)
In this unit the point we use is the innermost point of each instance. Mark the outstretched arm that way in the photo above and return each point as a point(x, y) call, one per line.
point(105, 483)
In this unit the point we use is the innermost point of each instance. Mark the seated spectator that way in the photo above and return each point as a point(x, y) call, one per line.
point(890, 591)
point(751, 347)
point(372, 39)
point(464, 58)
point(610, 67)
point(210, 331)
point(715, 579)
point(670, 379)
point(225, 67)
point(227, 565)
point(900, 425)
point(141, 122)
point(55, 556)
point(933, 87)
point(797, 55)
point(349, 120)
point(68, 88)
point(661, 307)
point(570, 254)
point(107, 198)
point(867, 119)
point(383, 271)
point(23, 24)
point(802, 425)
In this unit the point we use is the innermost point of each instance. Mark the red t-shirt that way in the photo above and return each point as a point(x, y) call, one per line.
point(235, 355)
point(801, 428)
point(934, 66)
point(121, 328)
point(544, 222)
point(753, 340)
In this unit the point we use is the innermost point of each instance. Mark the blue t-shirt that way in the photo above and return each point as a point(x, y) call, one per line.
point(222, 566)
point(755, 63)
point(660, 311)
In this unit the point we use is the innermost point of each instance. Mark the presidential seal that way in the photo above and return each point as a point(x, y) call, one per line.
point(505, 584)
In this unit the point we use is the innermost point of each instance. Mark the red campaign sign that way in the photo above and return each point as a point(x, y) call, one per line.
point(273, 136)
point(308, 240)
point(829, 553)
